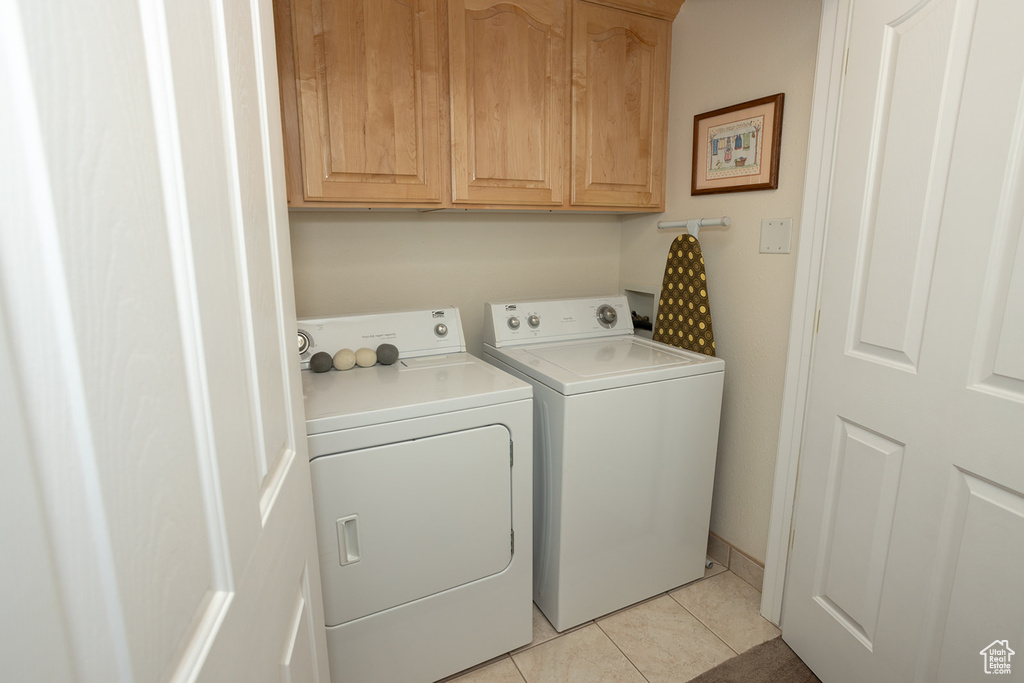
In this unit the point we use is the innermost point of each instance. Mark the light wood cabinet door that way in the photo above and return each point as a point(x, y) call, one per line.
point(509, 75)
point(369, 100)
point(620, 107)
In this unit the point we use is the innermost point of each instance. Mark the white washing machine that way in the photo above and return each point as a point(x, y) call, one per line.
point(421, 477)
point(625, 441)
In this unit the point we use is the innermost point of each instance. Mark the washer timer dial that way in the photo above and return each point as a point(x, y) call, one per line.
point(607, 316)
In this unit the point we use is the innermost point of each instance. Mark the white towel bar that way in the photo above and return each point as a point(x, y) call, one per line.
point(693, 225)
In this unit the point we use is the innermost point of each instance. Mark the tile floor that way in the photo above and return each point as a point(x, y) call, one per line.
point(669, 638)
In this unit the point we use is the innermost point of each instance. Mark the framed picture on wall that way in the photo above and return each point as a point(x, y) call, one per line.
point(736, 149)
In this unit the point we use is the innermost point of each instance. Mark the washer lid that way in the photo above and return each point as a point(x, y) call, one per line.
point(592, 365)
point(412, 387)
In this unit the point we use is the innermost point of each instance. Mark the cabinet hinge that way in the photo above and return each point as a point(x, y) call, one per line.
point(511, 454)
point(513, 542)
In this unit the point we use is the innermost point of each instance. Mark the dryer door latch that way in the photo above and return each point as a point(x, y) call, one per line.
point(348, 540)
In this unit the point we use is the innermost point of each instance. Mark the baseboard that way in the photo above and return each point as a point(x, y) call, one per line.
point(736, 561)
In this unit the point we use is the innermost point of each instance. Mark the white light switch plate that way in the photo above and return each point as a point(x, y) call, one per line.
point(776, 235)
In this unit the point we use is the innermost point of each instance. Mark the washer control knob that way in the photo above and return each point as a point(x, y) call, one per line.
point(607, 316)
point(513, 323)
point(533, 321)
point(303, 342)
point(440, 329)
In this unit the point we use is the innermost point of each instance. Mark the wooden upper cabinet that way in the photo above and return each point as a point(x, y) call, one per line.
point(509, 79)
point(368, 100)
point(620, 107)
point(532, 104)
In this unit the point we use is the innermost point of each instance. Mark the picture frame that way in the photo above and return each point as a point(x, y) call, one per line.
point(736, 149)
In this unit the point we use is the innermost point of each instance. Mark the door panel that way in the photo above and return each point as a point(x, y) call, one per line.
point(406, 520)
point(907, 169)
point(997, 365)
point(369, 99)
point(864, 479)
point(986, 593)
point(908, 516)
point(266, 358)
point(620, 107)
point(510, 93)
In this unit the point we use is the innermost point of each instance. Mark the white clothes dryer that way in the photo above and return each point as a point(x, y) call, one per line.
point(421, 476)
point(625, 441)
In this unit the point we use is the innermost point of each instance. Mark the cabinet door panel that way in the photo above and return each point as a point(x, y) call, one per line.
point(509, 80)
point(369, 99)
point(620, 107)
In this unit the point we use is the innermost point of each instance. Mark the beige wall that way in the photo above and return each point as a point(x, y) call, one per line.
point(726, 52)
point(358, 262)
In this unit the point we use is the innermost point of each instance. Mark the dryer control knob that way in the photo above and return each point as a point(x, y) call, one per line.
point(533, 321)
point(440, 329)
point(607, 316)
point(513, 323)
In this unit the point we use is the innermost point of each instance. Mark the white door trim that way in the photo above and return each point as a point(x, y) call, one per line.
point(825, 103)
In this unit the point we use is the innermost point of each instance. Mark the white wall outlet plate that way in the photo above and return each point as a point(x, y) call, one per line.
point(776, 235)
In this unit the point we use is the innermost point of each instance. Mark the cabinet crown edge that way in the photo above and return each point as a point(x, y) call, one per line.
point(662, 9)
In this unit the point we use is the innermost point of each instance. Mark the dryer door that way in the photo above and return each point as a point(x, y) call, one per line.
point(406, 520)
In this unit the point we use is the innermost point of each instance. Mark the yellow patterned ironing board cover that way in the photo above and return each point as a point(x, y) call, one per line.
point(684, 312)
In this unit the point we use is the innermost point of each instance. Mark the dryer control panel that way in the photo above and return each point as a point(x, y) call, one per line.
point(513, 322)
point(413, 333)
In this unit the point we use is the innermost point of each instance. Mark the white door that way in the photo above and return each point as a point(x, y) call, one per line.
point(909, 521)
point(156, 504)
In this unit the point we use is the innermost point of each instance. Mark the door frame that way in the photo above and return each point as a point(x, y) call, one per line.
point(821, 143)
